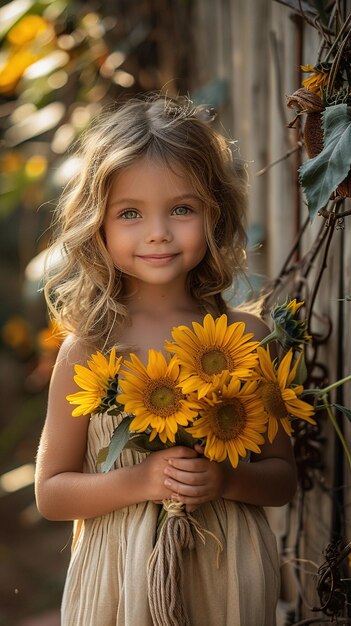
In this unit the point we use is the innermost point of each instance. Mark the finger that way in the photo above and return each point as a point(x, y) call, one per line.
point(187, 478)
point(177, 452)
point(189, 465)
point(182, 489)
point(187, 473)
point(189, 500)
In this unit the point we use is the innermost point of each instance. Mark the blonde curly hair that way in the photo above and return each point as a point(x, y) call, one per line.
point(84, 290)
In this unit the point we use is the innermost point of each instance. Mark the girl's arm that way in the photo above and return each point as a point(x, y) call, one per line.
point(269, 480)
point(63, 491)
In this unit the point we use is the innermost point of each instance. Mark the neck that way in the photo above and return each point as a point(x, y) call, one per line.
point(153, 311)
point(158, 300)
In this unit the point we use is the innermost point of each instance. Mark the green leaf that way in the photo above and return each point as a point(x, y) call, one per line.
point(118, 441)
point(140, 442)
point(102, 456)
point(343, 410)
point(184, 439)
point(115, 409)
point(320, 176)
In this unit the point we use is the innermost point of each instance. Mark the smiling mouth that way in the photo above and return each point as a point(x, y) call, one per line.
point(158, 258)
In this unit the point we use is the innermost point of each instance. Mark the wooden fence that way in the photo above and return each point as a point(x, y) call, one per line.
point(247, 61)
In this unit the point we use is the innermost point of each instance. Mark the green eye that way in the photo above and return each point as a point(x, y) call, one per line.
point(130, 214)
point(182, 210)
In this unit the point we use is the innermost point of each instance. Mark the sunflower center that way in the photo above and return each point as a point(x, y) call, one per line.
point(272, 400)
point(162, 397)
point(214, 362)
point(229, 419)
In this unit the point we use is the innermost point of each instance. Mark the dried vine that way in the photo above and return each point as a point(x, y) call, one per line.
point(333, 589)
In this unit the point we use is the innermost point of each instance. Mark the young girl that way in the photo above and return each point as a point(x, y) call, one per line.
point(151, 233)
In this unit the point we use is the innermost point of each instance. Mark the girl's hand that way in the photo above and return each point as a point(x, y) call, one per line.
point(153, 471)
point(194, 481)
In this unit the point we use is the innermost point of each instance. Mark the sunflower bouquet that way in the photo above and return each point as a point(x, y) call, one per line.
point(217, 386)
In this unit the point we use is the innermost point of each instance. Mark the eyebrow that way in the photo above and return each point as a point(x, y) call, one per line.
point(181, 198)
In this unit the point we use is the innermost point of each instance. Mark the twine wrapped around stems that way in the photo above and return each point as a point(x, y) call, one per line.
point(165, 565)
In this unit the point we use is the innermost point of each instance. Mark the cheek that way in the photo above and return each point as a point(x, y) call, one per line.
point(113, 236)
point(116, 247)
point(201, 240)
point(196, 244)
point(202, 251)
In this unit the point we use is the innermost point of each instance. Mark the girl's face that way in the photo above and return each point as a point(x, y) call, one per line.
point(154, 224)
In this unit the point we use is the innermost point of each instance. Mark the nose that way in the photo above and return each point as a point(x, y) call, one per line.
point(158, 230)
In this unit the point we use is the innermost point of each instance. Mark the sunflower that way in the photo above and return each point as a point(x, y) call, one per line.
point(206, 351)
point(232, 418)
point(279, 394)
point(318, 81)
point(288, 330)
point(95, 381)
point(152, 394)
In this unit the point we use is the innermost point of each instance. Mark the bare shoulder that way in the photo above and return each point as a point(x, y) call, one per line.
point(254, 324)
point(72, 351)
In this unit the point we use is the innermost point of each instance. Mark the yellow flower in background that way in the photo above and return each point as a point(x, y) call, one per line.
point(95, 381)
point(232, 419)
point(17, 334)
point(36, 166)
point(28, 41)
point(210, 349)
point(27, 29)
point(152, 394)
point(50, 338)
point(14, 67)
point(316, 83)
point(11, 162)
point(279, 394)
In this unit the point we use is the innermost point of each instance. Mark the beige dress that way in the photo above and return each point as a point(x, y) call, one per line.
point(106, 582)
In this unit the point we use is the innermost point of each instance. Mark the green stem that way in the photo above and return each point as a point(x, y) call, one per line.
point(337, 429)
point(338, 383)
point(271, 337)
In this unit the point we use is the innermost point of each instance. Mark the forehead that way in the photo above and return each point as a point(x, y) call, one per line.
point(147, 173)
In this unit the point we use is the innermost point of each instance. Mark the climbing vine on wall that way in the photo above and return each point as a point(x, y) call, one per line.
point(322, 106)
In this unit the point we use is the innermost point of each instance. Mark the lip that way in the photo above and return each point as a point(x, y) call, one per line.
point(157, 259)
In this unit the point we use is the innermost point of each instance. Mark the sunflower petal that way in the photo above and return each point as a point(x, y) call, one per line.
point(284, 369)
point(272, 429)
point(266, 364)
